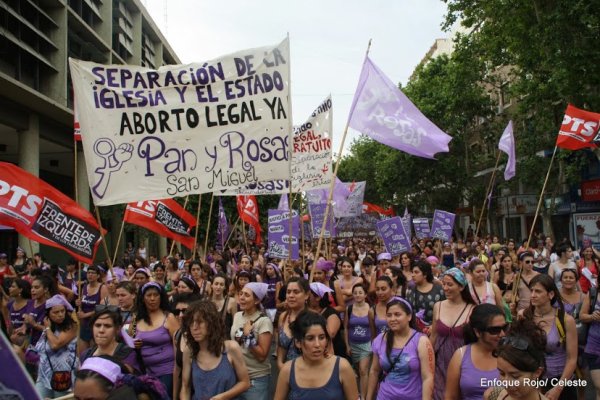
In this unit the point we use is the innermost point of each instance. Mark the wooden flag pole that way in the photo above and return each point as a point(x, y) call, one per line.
point(231, 233)
point(212, 198)
point(197, 227)
point(108, 259)
point(331, 187)
point(290, 203)
point(537, 210)
point(118, 241)
point(173, 242)
point(302, 249)
point(487, 193)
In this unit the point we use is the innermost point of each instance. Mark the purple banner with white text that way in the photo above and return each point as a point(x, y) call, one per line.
point(279, 234)
point(394, 235)
point(443, 225)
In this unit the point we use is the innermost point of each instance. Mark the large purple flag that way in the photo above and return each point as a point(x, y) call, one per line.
point(222, 228)
point(381, 111)
point(507, 145)
point(340, 196)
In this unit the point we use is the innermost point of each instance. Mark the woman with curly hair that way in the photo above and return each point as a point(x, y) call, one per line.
point(212, 366)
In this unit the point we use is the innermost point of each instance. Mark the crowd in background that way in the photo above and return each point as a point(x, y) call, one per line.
point(445, 320)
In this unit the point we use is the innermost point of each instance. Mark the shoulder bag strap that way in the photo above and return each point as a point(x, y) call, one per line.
point(397, 358)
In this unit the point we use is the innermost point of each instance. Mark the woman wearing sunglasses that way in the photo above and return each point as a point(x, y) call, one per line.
point(106, 324)
point(520, 364)
point(527, 274)
point(181, 302)
point(561, 337)
point(475, 361)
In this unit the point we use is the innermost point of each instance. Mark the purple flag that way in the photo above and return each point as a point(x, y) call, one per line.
point(341, 192)
point(507, 145)
point(443, 225)
point(406, 221)
point(222, 228)
point(279, 234)
point(394, 236)
point(381, 111)
point(283, 202)
point(16, 383)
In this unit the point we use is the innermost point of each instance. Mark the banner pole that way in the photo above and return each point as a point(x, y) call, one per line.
point(75, 170)
point(302, 249)
point(173, 242)
point(118, 241)
point(290, 203)
point(197, 227)
point(244, 235)
point(231, 233)
point(212, 198)
point(487, 193)
point(30, 247)
point(537, 210)
point(330, 196)
point(108, 259)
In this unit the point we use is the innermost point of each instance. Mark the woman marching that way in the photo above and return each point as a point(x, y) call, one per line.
point(561, 337)
point(212, 366)
point(475, 361)
point(57, 349)
point(296, 299)
point(315, 374)
point(403, 360)
point(449, 318)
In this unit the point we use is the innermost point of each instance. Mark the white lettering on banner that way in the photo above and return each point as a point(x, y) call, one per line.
point(185, 129)
point(171, 221)
point(579, 125)
point(20, 199)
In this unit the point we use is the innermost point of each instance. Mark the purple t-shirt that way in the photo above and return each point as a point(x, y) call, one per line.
point(404, 380)
point(38, 313)
point(359, 329)
point(16, 316)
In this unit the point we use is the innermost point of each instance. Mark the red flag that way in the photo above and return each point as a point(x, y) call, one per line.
point(579, 129)
point(372, 208)
point(248, 210)
point(164, 217)
point(42, 213)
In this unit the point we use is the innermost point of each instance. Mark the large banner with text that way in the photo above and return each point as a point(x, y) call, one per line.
point(184, 129)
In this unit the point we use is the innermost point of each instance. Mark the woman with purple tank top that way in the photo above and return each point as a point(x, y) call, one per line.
point(403, 356)
point(473, 365)
point(590, 314)
point(359, 328)
point(561, 348)
point(91, 294)
point(20, 292)
point(153, 332)
point(383, 290)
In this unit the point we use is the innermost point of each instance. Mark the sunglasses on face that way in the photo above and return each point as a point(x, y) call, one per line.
point(179, 311)
point(495, 330)
point(101, 307)
point(528, 262)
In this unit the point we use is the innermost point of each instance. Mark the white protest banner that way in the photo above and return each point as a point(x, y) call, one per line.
point(184, 129)
point(311, 157)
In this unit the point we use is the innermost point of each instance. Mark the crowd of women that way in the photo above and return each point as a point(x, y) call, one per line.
point(454, 320)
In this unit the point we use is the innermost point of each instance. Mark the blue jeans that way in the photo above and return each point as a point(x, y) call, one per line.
point(259, 389)
point(167, 380)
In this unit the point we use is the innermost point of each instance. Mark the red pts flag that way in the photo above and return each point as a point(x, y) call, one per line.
point(42, 213)
point(164, 217)
point(372, 208)
point(579, 129)
point(248, 210)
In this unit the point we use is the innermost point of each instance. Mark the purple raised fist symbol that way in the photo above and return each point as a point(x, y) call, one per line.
point(114, 158)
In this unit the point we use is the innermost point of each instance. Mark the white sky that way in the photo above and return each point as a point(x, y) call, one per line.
point(328, 40)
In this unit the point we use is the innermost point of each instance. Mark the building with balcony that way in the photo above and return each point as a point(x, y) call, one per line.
point(36, 98)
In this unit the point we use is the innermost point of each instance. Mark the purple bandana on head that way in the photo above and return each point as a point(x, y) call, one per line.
point(458, 276)
point(58, 300)
point(104, 367)
point(258, 288)
point(151, 285)
point(401, 300)
point(324, 265)
point(320, 289)
point(144, 271)
point(384, 256)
